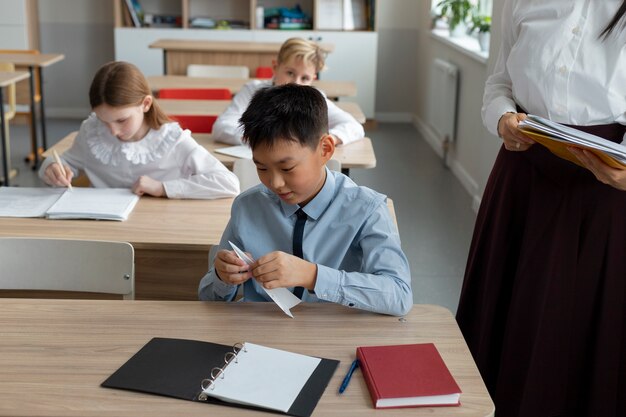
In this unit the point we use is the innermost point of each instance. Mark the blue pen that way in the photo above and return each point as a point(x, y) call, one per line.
point(346, 380)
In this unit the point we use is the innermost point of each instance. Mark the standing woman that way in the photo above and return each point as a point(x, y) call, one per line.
point(543, 305)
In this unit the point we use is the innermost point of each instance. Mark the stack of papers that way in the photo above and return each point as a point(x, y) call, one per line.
point(61, 203)
point(557, 138)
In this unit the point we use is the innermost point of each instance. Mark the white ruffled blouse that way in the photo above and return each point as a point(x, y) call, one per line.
point(169, 155)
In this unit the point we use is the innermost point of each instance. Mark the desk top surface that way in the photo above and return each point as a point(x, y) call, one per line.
point(8, 78)
point(35, 60)
point(359, 154)
point(331, 88)
point(55, 353)
point(217, 107)
point(155, 223)
point(223, 46)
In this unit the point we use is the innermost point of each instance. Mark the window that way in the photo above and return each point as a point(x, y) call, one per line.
point(470, 41)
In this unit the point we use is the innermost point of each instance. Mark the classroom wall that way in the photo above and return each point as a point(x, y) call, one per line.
point(82, 30)
point(472, 154)
point(398, 61)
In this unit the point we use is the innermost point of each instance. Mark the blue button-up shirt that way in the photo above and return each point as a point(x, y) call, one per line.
point(349, 234)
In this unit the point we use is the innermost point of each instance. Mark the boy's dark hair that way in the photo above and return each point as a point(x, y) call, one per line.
point(287, 112)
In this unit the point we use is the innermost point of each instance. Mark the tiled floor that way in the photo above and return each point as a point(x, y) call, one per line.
point(433, 210)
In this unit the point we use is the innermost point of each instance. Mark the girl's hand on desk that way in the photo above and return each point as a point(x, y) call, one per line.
point(149, 186)
point(605, 174)
point(57, 175)
point(280, 269)
point(230, 268)
point(513, 138)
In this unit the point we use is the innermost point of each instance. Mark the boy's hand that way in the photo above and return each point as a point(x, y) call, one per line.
point(53, 175)
point(280, 269)
point(147, 185)
point(230, 268)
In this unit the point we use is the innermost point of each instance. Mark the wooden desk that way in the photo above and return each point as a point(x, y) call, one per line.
point(33, 61)
point(172, 239)
point(55, 353)
point(6, 79)
point(179, 53)
point(359, 154)
point(217, 107)
point(332, 89)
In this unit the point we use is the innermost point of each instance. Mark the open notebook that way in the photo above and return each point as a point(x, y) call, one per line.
point(244, 375)
point(61, 203)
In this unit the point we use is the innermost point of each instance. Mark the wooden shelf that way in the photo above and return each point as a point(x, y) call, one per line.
point(345, 15)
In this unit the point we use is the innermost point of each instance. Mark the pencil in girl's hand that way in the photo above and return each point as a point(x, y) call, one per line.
point(58, 161)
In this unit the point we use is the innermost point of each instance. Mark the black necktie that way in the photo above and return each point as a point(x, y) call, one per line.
point(298, 233)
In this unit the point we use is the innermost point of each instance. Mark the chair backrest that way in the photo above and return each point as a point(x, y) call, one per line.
point(218, 71)
point(196, 93)
point(196, 124)
point(334, 165)
point(83, 266)
point(246, 172)
point(264, 72)
point(9, 111)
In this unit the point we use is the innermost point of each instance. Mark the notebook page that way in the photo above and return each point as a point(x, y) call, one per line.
point(27, 201)
point(94, 203)
point(264, 377)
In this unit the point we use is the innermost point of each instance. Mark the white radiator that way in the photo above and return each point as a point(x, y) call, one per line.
point(443, 101)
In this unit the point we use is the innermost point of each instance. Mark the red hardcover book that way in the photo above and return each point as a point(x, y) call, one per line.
point(407, 376)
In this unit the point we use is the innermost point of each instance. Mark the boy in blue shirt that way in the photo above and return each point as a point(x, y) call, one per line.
point(310, 229)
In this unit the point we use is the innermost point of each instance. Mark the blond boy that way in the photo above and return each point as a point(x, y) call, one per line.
point(298, 62)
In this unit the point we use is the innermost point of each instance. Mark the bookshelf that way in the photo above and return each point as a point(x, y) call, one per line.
point(355, 50)
point(343, 15)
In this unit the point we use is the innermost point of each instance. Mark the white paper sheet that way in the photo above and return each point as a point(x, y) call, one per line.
point(94, 203)
point(27, 201)
point(238, 151)
point(264, 377)
point(281, 296)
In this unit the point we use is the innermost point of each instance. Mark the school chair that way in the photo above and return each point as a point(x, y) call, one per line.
point(9, 108)
point(196, 124)
point(196, 93)
point(23, 100)
point(264, 72)
point(51, 268)
point(218, 71)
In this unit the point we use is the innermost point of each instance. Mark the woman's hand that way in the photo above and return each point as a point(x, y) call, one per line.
point(605, 174)
point(514, 139)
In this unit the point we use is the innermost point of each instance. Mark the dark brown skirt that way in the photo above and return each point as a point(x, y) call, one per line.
point(543, 305)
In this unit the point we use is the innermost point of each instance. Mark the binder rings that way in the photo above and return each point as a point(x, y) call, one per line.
point(244, 375)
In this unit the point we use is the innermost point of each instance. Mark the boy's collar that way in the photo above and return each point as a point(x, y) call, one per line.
point(318, 204)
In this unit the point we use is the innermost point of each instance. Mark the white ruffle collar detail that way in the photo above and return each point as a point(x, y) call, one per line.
point(111, 151)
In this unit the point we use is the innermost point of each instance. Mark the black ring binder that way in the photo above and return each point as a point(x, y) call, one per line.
point(217, 372)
